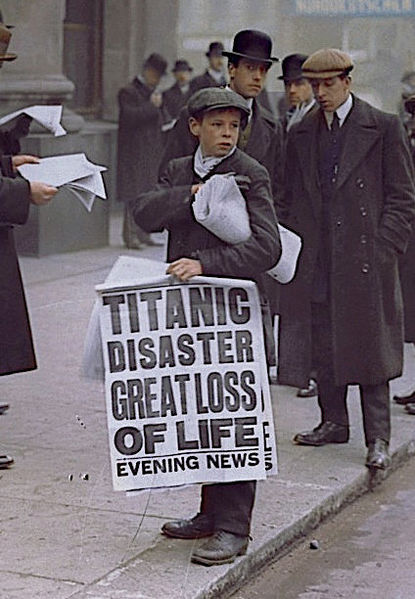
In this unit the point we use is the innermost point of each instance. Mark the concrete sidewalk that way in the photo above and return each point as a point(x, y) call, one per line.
point(65, 533)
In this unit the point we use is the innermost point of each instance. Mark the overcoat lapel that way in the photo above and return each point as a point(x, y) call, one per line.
point(307, 147)
point(261, 133)
point(361, 135)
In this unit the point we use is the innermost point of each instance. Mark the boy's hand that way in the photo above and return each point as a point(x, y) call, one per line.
point(185, 268)
point(195, 188)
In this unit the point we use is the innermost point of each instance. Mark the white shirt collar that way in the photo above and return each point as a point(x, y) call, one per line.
point(202, 165)
point(248, 101)
point(218, 76)
point(342, 112)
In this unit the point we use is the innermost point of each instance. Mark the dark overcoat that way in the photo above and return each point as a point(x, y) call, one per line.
point(139, 141)
point(370, 224)
point(407, 274)
point(168, 206)
point(16, 345)
point(174, 99)
point(202, 81)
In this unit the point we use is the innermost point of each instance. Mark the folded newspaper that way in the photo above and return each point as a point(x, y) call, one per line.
point(221, 208)
point(74, 172)
point(47, 116)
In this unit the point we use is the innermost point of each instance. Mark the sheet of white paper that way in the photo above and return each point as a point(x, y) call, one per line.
point(70, 168)
point(49, 116)
point(85, 197)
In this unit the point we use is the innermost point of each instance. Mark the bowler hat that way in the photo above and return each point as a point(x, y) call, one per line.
point(215, 48)
point(291, 67)
point(326, 63)
point(214, 98)
point(156, 62)
point(5, 36)
point(181, 65)
point(252, 44)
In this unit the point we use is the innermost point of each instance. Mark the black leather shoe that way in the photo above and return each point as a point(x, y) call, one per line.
point(3, 407)
point(310, 391)
point(198, 527)
point(6, 462)
point(410, 408)
point(402, 400)
point(326, 432)
point(378, 455)
point(222, 548)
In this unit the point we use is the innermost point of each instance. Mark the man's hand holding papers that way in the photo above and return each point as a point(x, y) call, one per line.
point(41, 193)
point(74, 172)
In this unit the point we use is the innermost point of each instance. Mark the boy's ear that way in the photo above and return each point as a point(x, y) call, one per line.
point(194, 126)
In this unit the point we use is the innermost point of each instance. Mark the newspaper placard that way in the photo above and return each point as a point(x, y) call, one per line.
point(186, 384)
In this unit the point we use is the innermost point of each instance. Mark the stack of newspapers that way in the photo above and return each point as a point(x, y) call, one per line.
point(71, 172)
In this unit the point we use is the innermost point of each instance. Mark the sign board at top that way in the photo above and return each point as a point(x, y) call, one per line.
point(353, 8)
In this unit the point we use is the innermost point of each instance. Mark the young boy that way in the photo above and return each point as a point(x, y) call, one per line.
point(215, 118)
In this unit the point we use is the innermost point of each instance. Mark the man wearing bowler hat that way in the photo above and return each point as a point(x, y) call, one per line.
point(139, 141)
point(298, 91)
point(178, 94)
point(214, 75)
point(299, 100)
point(350, 195)
point(248, 65)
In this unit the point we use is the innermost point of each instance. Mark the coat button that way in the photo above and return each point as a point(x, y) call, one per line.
point(360, 183)
point(363, 239)
point(363, 211)
point(365, 268)
point(338, 223)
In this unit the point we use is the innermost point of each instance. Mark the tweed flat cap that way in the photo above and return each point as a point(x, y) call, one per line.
point(214, 98)
point(328, 62)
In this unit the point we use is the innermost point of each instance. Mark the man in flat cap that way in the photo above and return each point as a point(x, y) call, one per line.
point(215, 116)
point(214, 75)
point(139, 141)
point(350, 195)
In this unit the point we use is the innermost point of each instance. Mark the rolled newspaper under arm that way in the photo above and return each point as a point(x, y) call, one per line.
point(221, 208)
point(285, 268)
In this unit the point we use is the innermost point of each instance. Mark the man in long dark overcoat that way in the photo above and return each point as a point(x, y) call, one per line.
point(16, 194)
point(140, 141)
point(350, 195)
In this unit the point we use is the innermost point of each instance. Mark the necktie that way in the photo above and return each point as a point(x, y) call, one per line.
point(334, 136)
point(335, 124)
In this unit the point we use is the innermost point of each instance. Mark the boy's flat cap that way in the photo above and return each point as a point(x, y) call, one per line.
point(214, 98)
point(326, 63)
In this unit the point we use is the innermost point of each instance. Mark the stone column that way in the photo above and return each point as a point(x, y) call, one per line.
point(36, 76)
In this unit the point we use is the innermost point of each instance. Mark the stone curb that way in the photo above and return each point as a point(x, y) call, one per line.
point(250, 565)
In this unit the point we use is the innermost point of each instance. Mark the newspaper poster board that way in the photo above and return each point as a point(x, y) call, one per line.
point(186, 384)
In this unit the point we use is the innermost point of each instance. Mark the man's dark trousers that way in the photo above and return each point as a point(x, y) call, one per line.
point(229, 505)
point(332, 398)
